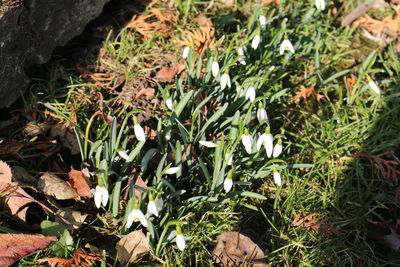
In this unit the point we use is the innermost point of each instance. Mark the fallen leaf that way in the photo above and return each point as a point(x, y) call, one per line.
point(139, 182)
point(33, 128)
point(76, 218)
point(80, 258)
point(132, 247)
point(67, 137)
point(14, 247)
point(315, 223)
point(305, 93)
point(233, 249)
point(149, 92)
point(79, 183)
point(166, 74)
point(5, 174)
point(54, 186)
point(201, 38)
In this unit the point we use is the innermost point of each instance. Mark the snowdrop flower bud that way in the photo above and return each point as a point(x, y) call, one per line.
point(241, 56)
point(215, 68)
point(228, 158)
point(208, 144)
point(180, 239)
point(320, 4)
point(286, 44)
point(136, 215)
point(278, 148)
point(139, 133)
point(277, 178)
point(261, 113)
point(228, 183)
point(247, 141)
point(186, 51)
point(239, 90)
point(123, 155)
point(169, 103)
point(154, 206)
point(266, 139)
point(225, 81)
point(256, 41)
point(374, 87)
point(101, 195)
point(251, 93)
point(263, 21)
point(173, 170)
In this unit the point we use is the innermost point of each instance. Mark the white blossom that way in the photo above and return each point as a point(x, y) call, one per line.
point(186, 51)
point(208, 144)
point(277, 149)
point(374, 87)
point(277, 178)
point(320, 4)
point(123, 155)
point(247, 142)
point(169, 103)
point(228, 183)
point(139, 133)
point(261, 113)
point(134, 216)
point(225, 81)
point(286, 44)
point(180, 239)
point(266, 139)
point(228, 158)
point(155, 206)
point(173, 170)
point(215, 68)
point(241, 56)
point(101, 196)
point(256, 41)
point(263, 21)
point(251, 93)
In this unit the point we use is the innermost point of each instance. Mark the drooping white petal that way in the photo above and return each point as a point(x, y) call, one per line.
point(277, 178)
point(320, 4)
point(159, 204)
point(242, 61)
point(262, 115)
point(256, 41)
point(286, 44)
point(228, 183)
point(152, 208)
point(97, 196)
point(208, 144)
point(173, 170)
point(104, 196)
point(247, 142)
point(135, 216)
point(251, 93)
point(240, 51)
point(186, 51)
point(269, 145)
point(263, 22)
point(169, 103)
point(241, 56)
point(229, 158)
point(123, 155)
point(139, 133)
point(180, 241)
point(277, 150)
point(225, 81)
point(374, 87)
point(261, 141)
point(215, 68)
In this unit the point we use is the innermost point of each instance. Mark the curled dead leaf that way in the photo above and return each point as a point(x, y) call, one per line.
point(233, 249)
point(79, 183)
point(54, 186)
point(76, 218)
point(67, 137)
point(132, 247)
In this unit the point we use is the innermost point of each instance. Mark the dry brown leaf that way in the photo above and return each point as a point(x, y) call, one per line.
point(79, 183)
point(315, 223)
point(305, 93)
point(166, 74)
point(76, 218)
point(234, 248)
point(67, 136)
point(14, 247)
point(201, 38)
point(132, 247)
point(54, 186)
point(148, 92)
point(80, 258)
point(139, 182)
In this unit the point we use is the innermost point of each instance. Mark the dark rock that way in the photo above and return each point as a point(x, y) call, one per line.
point(30, 30)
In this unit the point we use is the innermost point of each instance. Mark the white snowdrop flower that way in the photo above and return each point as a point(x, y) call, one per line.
point(123, 155)
point(168, 135)
point(228, 158)
point(239, 90)
point(173, 170)
point(180, 239)
point(247, 141)
point(256, 41)
point(266, 139)
point(215, 68)
point(241, 56)
point(101, 196)
point(374, 87)
point(169, 103)
point(251, 93)
point(263, 21)
point(240, 51)
point(136, 215)
point(277, 178)
point(225, 81)
point(320, 4)
point(261, 113)
point(277, 148)
point(154, 206)
point(228, 183)
point(208, 144)
point(286, 44)
point(139, 132)
point(186, 51)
